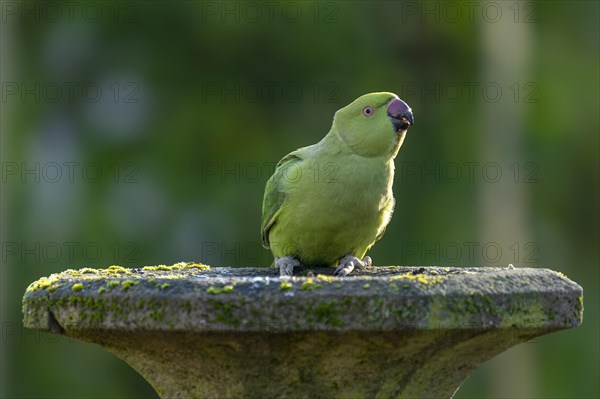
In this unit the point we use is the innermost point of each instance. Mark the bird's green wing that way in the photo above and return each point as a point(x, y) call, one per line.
point(389, 209)
point(275, 194)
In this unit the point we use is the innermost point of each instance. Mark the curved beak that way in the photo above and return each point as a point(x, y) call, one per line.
point(400, 114)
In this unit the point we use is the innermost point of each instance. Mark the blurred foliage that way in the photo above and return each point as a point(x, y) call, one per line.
point(198, 102)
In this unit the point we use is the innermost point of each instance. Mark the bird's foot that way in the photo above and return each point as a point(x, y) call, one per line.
point(349, 263)
point(286, 265)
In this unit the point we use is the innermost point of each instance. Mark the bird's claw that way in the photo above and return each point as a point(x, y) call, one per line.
point(349, 262)
point(286, 265)
point(367, 262)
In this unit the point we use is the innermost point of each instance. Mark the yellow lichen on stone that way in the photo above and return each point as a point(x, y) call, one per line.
point(419, 278)
point(45, 283)
point(327, 279)
point(193, 265)
point(285, 286)
point(40, 284)
point(117, 269)
point(177, 266)
point(51, 283)
point(88, 270)
point(157, 267)
point(562, 275)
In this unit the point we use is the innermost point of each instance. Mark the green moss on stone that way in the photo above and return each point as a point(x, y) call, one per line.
point(528, 314)
point(224, 312)
point(329, 314)
point(157, 315)
point(77, 287)
point(74, 300)
point(228, 289)
point(310, 285)
point(125, 285)
point(116, 308)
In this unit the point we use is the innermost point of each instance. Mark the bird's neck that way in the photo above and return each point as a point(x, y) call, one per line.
point(343, 144)
point(399, 140)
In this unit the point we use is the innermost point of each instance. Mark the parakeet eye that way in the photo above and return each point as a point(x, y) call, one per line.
point(367, 111)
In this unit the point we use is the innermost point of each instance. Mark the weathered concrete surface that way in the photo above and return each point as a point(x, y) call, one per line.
point(195, 331)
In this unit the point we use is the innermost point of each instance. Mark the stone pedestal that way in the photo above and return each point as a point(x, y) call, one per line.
point(198, 332)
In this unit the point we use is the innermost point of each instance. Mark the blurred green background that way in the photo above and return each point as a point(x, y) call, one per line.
point(143, 133)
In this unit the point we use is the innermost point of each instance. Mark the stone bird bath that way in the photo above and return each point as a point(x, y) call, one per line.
point(386, 332)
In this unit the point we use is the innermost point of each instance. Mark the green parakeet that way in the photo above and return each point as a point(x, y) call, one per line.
point(328, 203)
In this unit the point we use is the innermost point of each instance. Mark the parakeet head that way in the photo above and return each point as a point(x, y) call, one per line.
point(374, 124)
